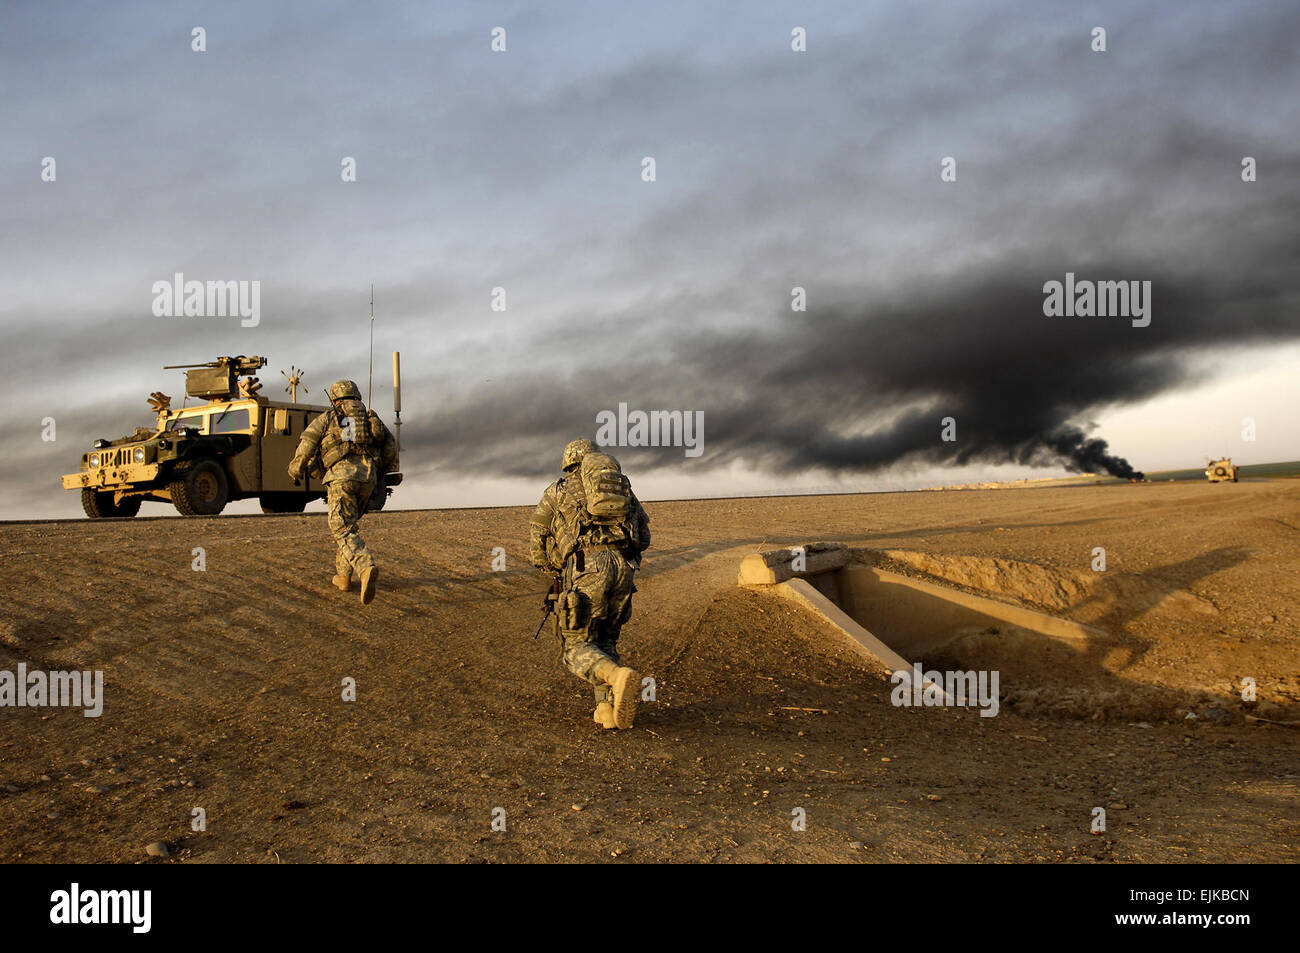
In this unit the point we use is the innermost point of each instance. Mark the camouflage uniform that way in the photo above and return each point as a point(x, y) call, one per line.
point(354, 449)
point(596, 566)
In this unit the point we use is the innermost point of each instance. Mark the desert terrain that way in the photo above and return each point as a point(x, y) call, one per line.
point(223, 690)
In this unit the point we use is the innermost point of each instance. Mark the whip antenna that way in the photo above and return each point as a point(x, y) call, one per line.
point(370, 384)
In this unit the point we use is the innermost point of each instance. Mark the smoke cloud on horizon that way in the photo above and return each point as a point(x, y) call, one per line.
point(855, 389)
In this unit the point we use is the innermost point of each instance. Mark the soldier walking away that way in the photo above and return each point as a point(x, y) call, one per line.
point(352, 448)
point(590, 530)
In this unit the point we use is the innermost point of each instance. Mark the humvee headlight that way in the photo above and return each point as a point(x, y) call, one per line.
point(138, 455)
point(94, 460)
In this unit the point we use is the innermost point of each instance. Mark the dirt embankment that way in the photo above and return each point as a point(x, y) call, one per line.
point(223, 691)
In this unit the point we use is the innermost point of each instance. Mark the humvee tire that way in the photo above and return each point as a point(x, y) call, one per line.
point(100, 505)
point(200, 489)
point(282, 502)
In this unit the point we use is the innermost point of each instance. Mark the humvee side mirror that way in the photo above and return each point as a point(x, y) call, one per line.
point(281, 423)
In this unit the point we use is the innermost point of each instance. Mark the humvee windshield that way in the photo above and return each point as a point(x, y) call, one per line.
point(230, 421)
point(188, 420)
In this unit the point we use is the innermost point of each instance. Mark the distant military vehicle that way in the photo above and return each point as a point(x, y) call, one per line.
point(1220, 471)
point(235, 445)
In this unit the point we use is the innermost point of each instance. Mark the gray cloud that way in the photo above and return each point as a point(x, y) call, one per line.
point(776, 169)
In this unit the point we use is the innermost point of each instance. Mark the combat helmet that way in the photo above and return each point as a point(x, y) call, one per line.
point(574, 452)
point(343, 390)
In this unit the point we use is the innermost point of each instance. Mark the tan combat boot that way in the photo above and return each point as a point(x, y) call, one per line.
point(369, 576)
point(343, 582)
point(626, 688)
point(604, 715)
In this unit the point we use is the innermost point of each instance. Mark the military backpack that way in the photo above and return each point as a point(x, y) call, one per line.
point(607, 492)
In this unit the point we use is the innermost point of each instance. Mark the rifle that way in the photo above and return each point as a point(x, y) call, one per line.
point(548, 604)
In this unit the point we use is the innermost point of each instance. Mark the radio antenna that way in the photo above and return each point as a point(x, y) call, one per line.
point(371, 383)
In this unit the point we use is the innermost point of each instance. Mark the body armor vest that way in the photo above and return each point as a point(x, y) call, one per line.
point(348, 433)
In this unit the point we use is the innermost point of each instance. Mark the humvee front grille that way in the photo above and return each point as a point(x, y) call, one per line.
point(115, 456)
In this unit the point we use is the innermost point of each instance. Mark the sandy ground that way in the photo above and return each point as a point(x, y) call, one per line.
point(223, 691)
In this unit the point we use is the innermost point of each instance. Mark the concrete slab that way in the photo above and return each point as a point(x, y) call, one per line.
point(777, 565)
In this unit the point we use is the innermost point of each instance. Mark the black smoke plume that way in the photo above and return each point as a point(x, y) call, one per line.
point(855, 388)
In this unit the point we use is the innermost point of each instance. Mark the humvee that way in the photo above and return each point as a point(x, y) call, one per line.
point(235, 445)
point(1220, 471)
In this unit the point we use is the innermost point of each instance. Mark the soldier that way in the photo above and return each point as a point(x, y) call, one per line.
point(355, 449)
point(590, 530)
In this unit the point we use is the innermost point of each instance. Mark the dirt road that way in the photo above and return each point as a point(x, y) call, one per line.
point(223, 691)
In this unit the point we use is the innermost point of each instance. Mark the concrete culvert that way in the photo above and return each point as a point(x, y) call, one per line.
point(895, 619)
point(916, 620)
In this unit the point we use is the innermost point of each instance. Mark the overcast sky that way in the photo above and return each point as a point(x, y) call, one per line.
point(522, 169)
